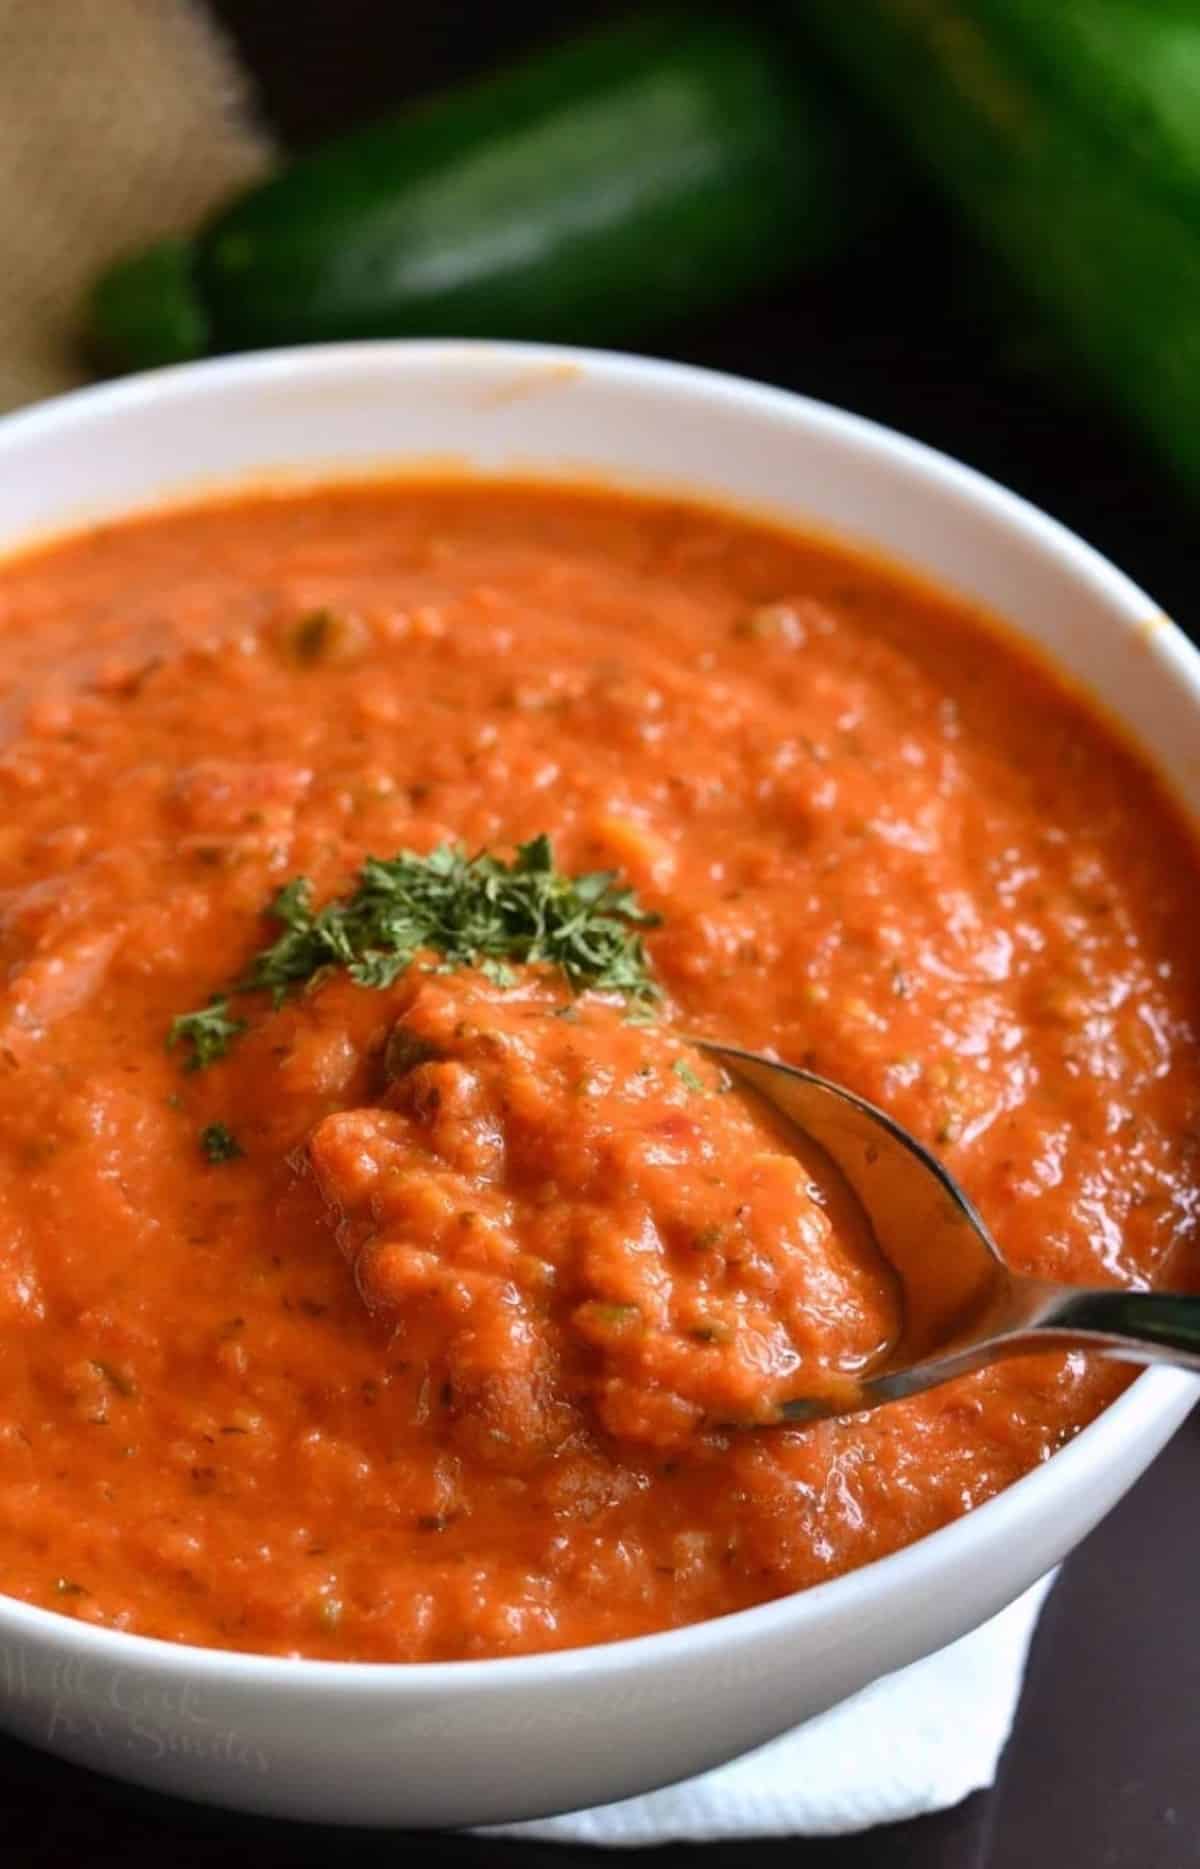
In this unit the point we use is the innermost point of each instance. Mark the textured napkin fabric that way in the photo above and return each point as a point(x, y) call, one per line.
point(916, 1741)
point(120, 121)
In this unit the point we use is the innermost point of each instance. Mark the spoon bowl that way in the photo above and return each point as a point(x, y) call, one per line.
point(960, 1306)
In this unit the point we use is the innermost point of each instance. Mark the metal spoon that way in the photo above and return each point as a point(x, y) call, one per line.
point(960, 1305)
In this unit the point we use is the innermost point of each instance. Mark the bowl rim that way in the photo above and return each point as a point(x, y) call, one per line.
point(1154, 1397)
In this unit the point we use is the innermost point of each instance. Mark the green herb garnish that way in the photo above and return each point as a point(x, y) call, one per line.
point(209, 1032)
point(688, 1077)
point(326, 636)
point(710, 1330)
point(473, 911)
point(220, 1144)
point(123, 1384)
point(470, 911)
point(309, 637)
point(619, 1320)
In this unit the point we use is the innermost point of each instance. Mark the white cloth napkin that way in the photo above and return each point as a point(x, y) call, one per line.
point(916, 1741)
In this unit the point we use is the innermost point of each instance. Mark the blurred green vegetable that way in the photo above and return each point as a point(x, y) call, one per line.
point(593, 193)
point(1068, 134)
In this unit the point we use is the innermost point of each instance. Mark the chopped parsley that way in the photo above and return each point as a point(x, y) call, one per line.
point(116, 1378)
point(689, 1078)
point(325, 636)
point(209, 1033)
point(470, 911)
point(609, 1320)
point(220, 1144)
point(310, 636)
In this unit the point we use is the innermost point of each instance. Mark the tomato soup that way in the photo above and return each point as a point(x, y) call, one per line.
point(414, 1307)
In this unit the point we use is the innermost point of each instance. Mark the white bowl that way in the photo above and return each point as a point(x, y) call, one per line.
point(479, 1742)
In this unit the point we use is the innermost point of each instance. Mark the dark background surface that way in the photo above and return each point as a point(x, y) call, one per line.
point(1101, 1771)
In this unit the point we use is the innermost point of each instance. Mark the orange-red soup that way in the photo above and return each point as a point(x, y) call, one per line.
point(452, 1359)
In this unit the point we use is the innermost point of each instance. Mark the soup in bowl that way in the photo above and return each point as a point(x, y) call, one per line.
point(409, 751)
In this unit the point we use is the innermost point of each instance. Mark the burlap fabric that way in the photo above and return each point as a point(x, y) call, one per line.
point(120, 120)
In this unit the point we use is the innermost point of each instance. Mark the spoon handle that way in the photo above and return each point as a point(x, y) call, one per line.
point(1134, 1326)
point(1128, 1326)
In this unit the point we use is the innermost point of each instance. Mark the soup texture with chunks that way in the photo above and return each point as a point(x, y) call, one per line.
point(386, 1272)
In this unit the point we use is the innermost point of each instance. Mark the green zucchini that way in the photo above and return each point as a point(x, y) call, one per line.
point(1068, 134)
point(593, 193)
